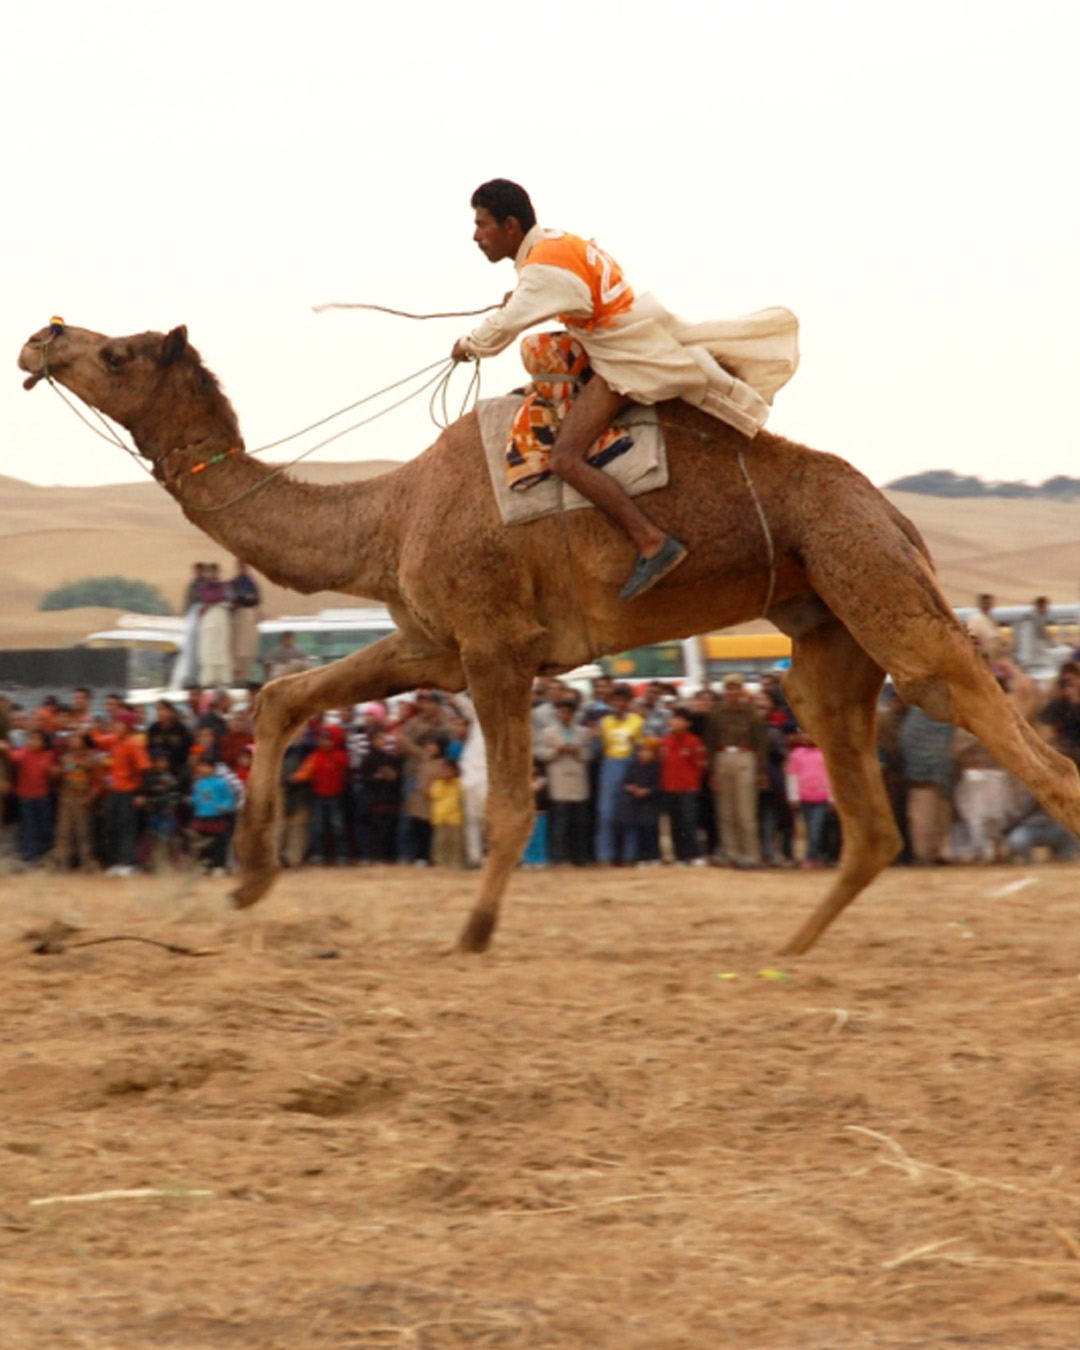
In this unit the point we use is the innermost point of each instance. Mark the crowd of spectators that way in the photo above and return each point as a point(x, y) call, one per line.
point(621, 776)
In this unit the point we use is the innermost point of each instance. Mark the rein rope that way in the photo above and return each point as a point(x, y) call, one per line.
point(439, 384)
point(443, 368)
point(769, 545)
point(404, 313)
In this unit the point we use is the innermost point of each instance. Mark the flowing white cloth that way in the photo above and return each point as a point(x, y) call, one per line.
point(215, 662)
point(474, 781)
point(649, 354)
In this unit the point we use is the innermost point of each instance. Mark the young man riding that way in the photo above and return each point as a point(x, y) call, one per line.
point(636, 350)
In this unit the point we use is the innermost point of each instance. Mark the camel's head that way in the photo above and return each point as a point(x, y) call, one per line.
point(118, 376)
point(142, 382)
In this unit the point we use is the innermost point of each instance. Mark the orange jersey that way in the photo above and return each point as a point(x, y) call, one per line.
point(611, 292)
point(129, 763)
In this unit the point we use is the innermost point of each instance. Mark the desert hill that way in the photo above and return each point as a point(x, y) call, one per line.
point(1015, 548)
point(51, 535)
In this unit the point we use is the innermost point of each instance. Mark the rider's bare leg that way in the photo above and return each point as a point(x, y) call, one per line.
point(591, 413)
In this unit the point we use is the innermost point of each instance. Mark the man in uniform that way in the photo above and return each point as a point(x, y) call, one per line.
point(638, 352)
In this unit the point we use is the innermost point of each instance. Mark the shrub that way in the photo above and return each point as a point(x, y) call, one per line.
point(108, 593)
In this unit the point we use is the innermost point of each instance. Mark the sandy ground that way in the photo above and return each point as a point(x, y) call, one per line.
point(630, 1125)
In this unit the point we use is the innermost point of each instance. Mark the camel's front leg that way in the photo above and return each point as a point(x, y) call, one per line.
point(391, 666)
point(501, 695)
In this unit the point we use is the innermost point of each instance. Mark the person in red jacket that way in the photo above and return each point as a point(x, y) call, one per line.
point(682, 767)
point(326, 769)
point(33, 764)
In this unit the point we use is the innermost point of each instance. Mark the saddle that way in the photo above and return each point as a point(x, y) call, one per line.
point(519, 430)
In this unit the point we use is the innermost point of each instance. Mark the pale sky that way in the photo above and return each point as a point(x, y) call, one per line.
point(901, 175)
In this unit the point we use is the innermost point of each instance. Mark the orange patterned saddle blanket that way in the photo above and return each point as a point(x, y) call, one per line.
point(560, 369)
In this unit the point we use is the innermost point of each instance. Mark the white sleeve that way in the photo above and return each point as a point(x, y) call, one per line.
point(541, 293)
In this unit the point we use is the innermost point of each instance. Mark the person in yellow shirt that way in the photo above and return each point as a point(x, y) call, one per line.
point(618, 733)
point(447, 817)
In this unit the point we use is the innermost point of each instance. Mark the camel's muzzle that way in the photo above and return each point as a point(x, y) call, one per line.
point(34, 357)
point(30, 359)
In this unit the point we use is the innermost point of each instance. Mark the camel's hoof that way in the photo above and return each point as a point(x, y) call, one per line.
point(799, 945)
point(476, 935)
point(253, 886)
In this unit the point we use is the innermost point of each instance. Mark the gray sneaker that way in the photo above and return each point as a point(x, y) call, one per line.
point(648, 571)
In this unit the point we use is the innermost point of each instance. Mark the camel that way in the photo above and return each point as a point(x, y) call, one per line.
point(487, 607)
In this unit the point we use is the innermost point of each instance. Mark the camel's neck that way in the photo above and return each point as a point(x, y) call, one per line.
point(301, 535)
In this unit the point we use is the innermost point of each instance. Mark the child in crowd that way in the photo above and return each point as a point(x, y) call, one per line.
point(295, 825)
point(128, 763)
point(33, 765)
point(806, 764)
point(213, 813)
point(242, 767)
point(536, 850)
point(238, 739)
point(327, 770)
point(683, 760)
point(78, 776)
point(447, 816)
point(639, 810)
point(459, 733)
point(160, 799)
point(380, 772)
point(418, 806)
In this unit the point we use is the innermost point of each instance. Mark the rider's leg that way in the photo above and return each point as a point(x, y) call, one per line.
point(591, 413)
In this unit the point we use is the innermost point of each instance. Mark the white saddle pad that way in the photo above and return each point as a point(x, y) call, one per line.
point(643, 468)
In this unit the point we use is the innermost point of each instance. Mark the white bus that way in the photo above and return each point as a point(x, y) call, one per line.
point(326, 636)
point(152, 642)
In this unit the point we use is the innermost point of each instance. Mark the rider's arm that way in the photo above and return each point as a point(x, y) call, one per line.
point(541, 293)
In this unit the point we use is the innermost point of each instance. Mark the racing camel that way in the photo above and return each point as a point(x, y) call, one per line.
point(487, 607)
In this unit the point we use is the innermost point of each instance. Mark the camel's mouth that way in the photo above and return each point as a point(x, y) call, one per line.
point(31, 359)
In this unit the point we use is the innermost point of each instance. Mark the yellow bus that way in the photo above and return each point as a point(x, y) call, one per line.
point(701, 660)
point(749, 654)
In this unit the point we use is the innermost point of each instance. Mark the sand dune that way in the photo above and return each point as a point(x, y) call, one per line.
point(51, 535)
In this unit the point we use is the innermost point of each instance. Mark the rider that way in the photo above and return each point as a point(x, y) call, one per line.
point(638, 352)
point(562, 275)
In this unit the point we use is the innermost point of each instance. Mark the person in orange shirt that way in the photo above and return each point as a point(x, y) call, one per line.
point(566, 277)
point(129, 762)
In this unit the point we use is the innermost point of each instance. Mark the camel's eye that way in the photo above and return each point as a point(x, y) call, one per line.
point(112, 359)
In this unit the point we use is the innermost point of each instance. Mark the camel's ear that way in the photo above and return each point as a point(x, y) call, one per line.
point(175, 346)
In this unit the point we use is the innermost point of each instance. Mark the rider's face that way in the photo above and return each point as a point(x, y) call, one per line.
point(496, 241)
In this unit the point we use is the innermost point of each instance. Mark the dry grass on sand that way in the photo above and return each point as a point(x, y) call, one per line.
point(611, 1131)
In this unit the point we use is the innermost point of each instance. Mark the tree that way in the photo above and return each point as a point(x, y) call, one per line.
point(108, 593)
point(939, 483)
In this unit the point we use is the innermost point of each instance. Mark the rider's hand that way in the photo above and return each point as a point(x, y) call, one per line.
point(459, 353)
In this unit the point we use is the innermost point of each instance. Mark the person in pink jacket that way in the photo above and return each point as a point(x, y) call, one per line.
point(806, 764)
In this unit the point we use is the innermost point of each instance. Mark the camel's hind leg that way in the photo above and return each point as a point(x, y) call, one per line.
point(833, 688)
point(962, 690)
point(390, 666)
point(906, 626)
